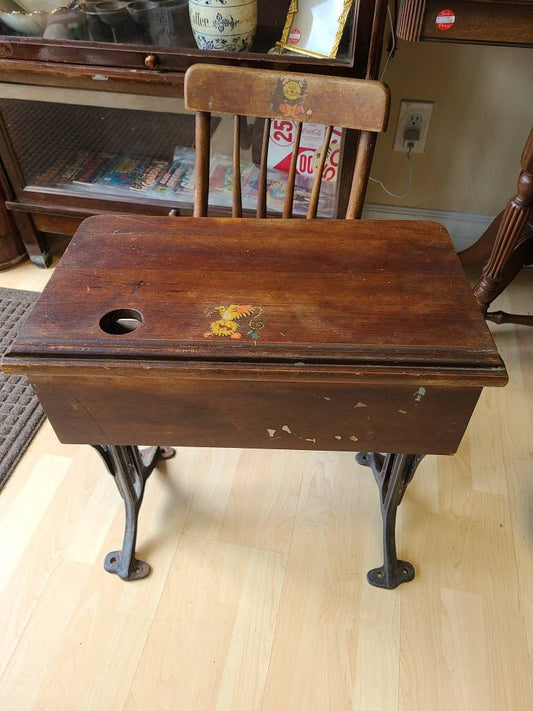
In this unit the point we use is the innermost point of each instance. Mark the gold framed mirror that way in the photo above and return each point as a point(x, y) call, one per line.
point(314, 27)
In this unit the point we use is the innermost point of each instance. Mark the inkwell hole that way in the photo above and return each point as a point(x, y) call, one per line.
point(121, 321)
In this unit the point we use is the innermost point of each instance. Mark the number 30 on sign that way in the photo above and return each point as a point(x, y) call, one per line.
point(282, 132)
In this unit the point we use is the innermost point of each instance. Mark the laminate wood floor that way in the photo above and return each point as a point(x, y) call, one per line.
point(258, 599)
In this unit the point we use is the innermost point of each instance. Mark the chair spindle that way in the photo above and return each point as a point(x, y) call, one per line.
point(262, 196)
point(317, 182)
point(202, 148)
point(289, 195)
point(361, 173)
point(236, 209)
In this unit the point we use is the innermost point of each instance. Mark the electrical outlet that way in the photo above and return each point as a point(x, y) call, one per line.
point(413, 115)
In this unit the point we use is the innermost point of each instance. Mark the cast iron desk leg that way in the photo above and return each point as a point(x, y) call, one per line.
point(392, 472)
point(130, 467)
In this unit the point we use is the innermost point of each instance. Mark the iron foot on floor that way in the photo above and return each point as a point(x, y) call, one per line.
point(130, 467)
point(392, 472)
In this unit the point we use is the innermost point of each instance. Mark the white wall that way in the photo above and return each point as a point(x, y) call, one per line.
point(483, 113)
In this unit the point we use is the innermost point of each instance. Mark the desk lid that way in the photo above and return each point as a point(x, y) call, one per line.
point(218, 290)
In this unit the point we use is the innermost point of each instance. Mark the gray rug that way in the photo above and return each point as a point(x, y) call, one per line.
point(20, 412)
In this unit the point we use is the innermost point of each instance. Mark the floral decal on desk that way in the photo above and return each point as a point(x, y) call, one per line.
point(230, 322)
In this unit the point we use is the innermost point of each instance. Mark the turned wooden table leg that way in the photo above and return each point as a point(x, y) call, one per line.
point(512, 232)
point(479, 252)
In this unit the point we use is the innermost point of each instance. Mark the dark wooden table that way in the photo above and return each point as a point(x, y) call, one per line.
point(290, 334)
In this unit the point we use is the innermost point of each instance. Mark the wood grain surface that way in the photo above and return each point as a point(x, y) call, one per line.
point(356, 103)
point(330, 291)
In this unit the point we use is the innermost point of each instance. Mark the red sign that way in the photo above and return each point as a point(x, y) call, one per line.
point(445, 19)
point(294, 36)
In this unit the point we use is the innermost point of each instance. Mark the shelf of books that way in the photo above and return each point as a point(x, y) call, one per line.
point(108, 176)
point(144, 156)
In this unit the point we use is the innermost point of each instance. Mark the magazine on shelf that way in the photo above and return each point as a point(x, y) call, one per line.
point(87, 168)
point(61, 172)
point(221, 182)
point(147, 176)
point(117, 173)
point(174, 181)
point(276, 188)
point(177, 181)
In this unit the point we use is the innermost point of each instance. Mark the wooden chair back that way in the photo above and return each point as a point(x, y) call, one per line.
point(359, 104)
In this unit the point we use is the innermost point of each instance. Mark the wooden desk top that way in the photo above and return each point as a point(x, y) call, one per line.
point(360, 293)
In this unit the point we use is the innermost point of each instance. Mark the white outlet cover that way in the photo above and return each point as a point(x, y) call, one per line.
point(408, 107)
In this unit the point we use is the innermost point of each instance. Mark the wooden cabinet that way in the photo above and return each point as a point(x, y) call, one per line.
point(495, 22)
point(68, 103)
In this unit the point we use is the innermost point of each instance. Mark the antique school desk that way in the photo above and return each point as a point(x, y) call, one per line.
point(211, 332)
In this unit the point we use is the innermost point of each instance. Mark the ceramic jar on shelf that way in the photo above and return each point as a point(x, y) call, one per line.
point(227, 25)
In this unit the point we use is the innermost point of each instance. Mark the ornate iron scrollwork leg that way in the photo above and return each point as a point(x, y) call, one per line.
point(392, 472)
point(130, 467)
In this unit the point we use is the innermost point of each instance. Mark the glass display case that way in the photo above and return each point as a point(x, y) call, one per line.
point(182, 30)
point(91, 114)
point(74, 144)
point(324, 28)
